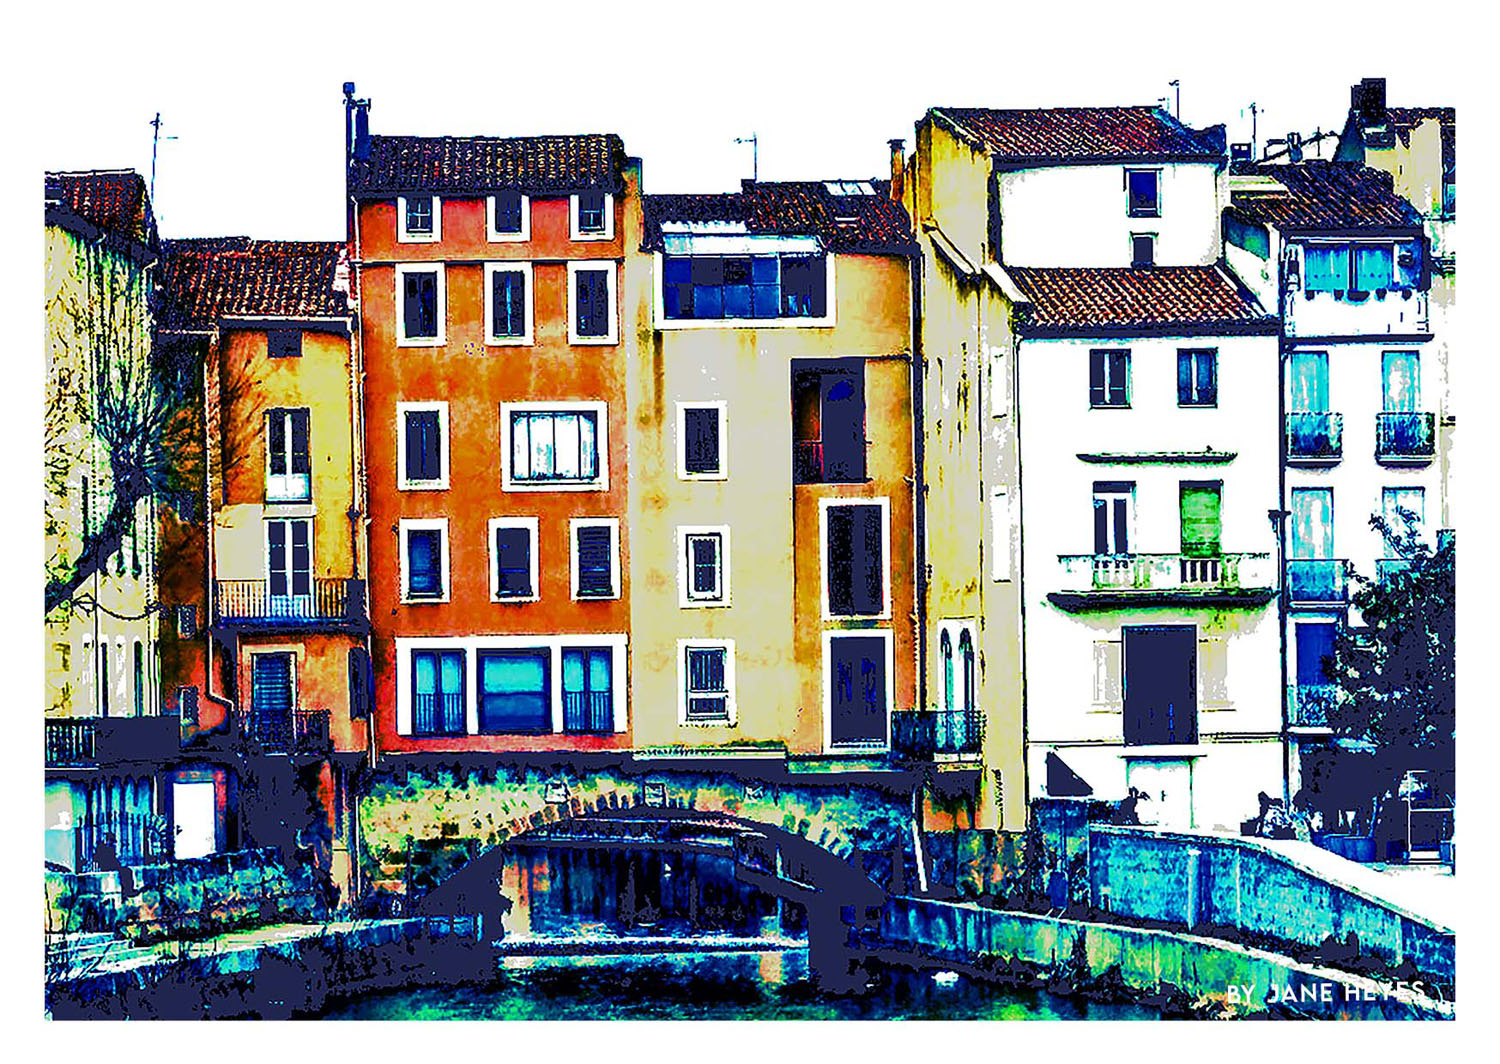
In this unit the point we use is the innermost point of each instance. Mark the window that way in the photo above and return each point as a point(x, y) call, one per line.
point(1109, 378)
point(700, 441)
point(1374, 267)
point(187, 621)
point(591, 303)
point(556, 448)
point(703, 565)
point(187, 706)
point(945, 644)
point(513, 559)
point(856, 543)
point(421, 306)
point(1361, 268)
point(1198, 506)
point(857, 689)
point(139, 673)
point(508, 302)
point(1143, 193)
point(1308, 384)
point(1197, 378)
point(1114, 512)
point(508, 216)
point(1400, 381)
point(1143, 249)
point(588, 690)
point(419, 219)
point(515, 691)
point(438, 705)
point(1403, 510)
point(361, 682)
point(596, 558)
point(1160, 697)
point(828, 423)
point(284, 343)
point(423, 428)
point(289, 567)
point(593, 215)
point(424, 560)
point(288, 457)
point(715, 287)
point(706, 681)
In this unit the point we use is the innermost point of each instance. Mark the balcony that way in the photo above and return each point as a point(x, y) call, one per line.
point(1317, 581)
point(812, 464)
point(71, 742)
point(1382, 312)
point(922, 736)
point(1314, 438)
point(331, 602)
point(1308, 707)
point(302, 731)
point(88, 742)
point(588, 712)
point(438, 714)
point(1116, 581)
point(1405, 438)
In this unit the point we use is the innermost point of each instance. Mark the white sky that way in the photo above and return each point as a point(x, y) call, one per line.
point(254, 99)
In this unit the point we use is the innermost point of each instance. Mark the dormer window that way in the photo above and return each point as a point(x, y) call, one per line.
point(593, 215)
point(1143, 193)
point(419, 219)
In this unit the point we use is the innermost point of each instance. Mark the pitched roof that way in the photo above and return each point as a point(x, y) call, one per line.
point(482, 164)
point(1103, 301)
point(1318, 194)
point(867, 222)
point(113, 200)
point(207, 279)
point(1062, 134)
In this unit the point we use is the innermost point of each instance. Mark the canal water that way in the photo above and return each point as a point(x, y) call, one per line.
point(751, 985)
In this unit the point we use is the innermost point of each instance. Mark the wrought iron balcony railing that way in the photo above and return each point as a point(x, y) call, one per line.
point(333, 600)
point(1402, 438)
point(1315, 438)
point(71, 742)
point(588, 712)
point(1317, 580)
point(439, 714)
point(298, 731)
point(919, 735)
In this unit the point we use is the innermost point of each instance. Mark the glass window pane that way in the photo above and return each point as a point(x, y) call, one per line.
point(567, 444)
point(543, 452)
point(588, 454)
point(425, 672)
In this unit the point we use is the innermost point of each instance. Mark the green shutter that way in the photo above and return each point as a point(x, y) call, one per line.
point(1200, 520)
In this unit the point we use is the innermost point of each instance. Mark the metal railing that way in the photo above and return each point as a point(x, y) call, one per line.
point(1314, 437)
point(71, 741)
point(1309, 705)
point(1405, 437)
point(919, 735)
point(439, 714)
point(1165, 572)
point(1317, 580)
point(588, 712)
point(251, 602)
point(299, 731)
point(136, 839)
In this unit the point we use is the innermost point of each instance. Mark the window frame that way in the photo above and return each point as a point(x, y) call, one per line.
point(405, 235)
point(824, 505)
point(888, 637)
point(1131, 210)
point(415, 407)
point(531, 525)
point(731, 708)
point(283, 498)
point(683, 407)
point(312, 565)
point(496, 236)
point(685, 596)
point(1135, 262)
point(1109, 495)
point(599, 409)
point(1106, 404)
point(611, 269)
point(406, 526)
point(408, 689)
point(436, 268)
point(613, 524)
point(660, 320)
point(1195, 389)
point(577, 234)
point(528, 297)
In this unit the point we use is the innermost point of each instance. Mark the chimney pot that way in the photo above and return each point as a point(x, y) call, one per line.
point(898, 168)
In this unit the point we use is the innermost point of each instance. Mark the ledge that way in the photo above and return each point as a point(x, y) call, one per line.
point(1205, 457)
point(1130, 598)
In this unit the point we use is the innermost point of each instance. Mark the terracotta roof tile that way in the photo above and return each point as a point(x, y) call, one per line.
point(113, 200)
point(1063, 133)
point(870, 222)
point(481, 164)
point(1325, 195)
point(207, 279)
point(1088, 299)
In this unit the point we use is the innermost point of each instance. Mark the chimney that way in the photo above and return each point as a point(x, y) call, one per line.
point(898, 168)
point(1368, 98)
point(1294, 147)
point(361, 130)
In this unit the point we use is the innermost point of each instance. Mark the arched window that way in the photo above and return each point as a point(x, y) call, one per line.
point(966, 656)
point(946, 642)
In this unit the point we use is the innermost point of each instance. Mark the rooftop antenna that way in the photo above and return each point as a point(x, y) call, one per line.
point(1254, 110)
point(156, 138)
point(1177, 92)
point(754, 143)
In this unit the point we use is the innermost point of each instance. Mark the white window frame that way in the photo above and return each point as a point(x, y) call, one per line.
point(889, 639)
point(611, 269)
point(283, 479)
point(601, 444)
point(731, 707)
point(531, 526)
point(884, 503)
point(613, 524)
point(1160, 173)
point(660, 320)
point(685, 599)
point(293, 650)
point(404, 237)
point(312, 561)
point(576, 234)
point(527, 289)
point(703, 404)
point(494, 236)
point(402, 340)
point(402, 483)
point(1130, 526)
point(407, 526)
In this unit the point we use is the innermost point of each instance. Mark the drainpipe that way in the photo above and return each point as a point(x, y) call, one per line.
point(1279, 516)
point(210, 583)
